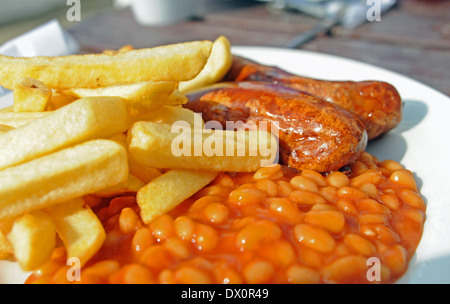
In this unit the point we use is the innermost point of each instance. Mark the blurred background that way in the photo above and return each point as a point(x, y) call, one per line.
point(412, 37)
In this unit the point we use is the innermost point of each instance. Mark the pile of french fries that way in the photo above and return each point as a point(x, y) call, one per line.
point(99, 125)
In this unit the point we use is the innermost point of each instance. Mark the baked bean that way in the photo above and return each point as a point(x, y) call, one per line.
point(395, 257)
point(252, 236)
point(338, 179)
point(166, 276)
point(306, 198)
point(202, 202)
point(137, 274)
point(360, 244)
point(304, 183)
point(214, 190)
point(268, 186)
point(142, 239)
point(330, 220)
point(359, 168)
point(314, 237)
point(246, 196)
point(370, 189)
point(184, 227)
point(315, 176)
point(224, 180)
point(239, 223)
point(156, 257)
point(319, 207)
point(162, 227)
point(225, 274)
point(191, 275)
point(103, 268)
point(329, 193)
point(391, 165)
point(366, 157)
point(285, 208)
point(258, 272)
point(279, 253)
point(346, 206)
point(351, 192)
point(371, 206)
point(284, 188)
point(346, 270)
point(216, 213)
point(412, 198)
point(205, 238)
point(129, 221)
point(270, 172)
point(309, 257)
point(298, 274)
point(390, 200)
point(403, 178)
point(370, 176)
point(177, 248)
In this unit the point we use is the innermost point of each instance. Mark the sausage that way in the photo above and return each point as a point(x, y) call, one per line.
point(377, 104)
point(313, 133)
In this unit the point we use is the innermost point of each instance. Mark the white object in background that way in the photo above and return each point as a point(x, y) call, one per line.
point(12, 11)
point(48, 39)
point(160, 12)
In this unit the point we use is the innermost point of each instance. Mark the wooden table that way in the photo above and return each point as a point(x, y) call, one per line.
point(412, 39)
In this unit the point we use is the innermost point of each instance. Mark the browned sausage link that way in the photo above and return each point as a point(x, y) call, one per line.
point(313, 133)
point(376, 103)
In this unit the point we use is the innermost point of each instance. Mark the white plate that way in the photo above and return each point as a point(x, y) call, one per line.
point(421, 143)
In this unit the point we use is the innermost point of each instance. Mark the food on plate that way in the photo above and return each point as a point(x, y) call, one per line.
point(275, 225)
point(175, 146)
point(33, 238)
point(216, 67)
point(79, 228)
point(14, 120)
point(60, 176)
point(314, 134)
point(170, 189)
point(170, 115)
point(84, 119)
point(161, 166)
point(376, 103)
point(31, 95)
point(4, 128)
point(94, 70)
point(141, 96)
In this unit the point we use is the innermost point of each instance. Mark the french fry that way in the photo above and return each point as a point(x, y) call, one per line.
point(5, 247)
point(84, 119)
point(60, 176)
point(7, 109)
point(218, 64)
point(143, 173)
point(132, 184)
point(16, 120)
point(158, 146)
point(142, 96)
point(31, 95)
point(59, 100)
point(4, 128)
point(79, 228)
point(170, 189)
point(173, 114)
point(33, 238)
point(175, 62)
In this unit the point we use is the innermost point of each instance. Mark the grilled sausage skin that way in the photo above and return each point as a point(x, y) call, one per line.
point(313, 133)
point(377, 104)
